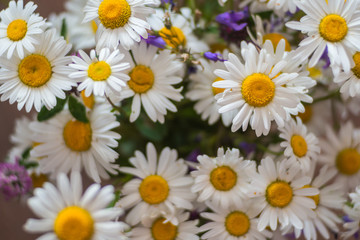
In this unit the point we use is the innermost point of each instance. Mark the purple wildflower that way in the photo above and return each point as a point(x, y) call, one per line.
point(326, 58)
point(247, 147)
point(214, 56)
point(14, 180)
point(155, 41)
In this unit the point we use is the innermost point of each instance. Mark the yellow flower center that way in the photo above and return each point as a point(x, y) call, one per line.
point(141, 79)
point(356, 69)
point(316, 198)
point(163, 231)
point(275, 39)
point(99, 71)
point(114, 13)
point(77, 135)
point(333, 28)
point(314, 72)
point(279, 194)
point(154, 189)
point(237, 223)
point(38, 180)
point(258, 90)
point(88, 101)
point(17, 30)
point(223, 178)
point(217, 90)
point(94, 26)
point(299, 145)
point(173, 37)
point(348, 161)
point(307, 115)
point(74, 223)
point(35, 70)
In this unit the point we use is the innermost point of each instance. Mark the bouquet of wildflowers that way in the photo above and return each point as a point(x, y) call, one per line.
point(219, 120)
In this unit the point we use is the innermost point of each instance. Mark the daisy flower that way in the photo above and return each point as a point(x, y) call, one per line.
point(160, 184)
point(256, 6)
point(151, 78)
point(68, 144)
point(333, 24)
point(156, 227)
point(39, 77)
point(281, 5)
point(280, 194)
point(256, 89)
point(224, 179)
point(237, 222)
point(100, 75)
point(121, 21)
point(201, 90)
point(352, 225)
point(301, 146)
point(67, 214)
point(21, 138)
point(20, 28)
point(343, 152)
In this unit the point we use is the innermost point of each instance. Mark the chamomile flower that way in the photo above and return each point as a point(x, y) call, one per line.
point(21, 138)
point(280, 194)
point(333, 24)
point(20, 29)
point(281, 5)
point(100, 75)
point(152, 76)
point(301, 147)
point(237, 222)
point(224, 180)
point(121, 21)
point(160, 184)
point(343, 152)
point(67, 214)
point(69, 144)
point(256, 89)
point(39, 77)
point(353, 225)
point(156, 227)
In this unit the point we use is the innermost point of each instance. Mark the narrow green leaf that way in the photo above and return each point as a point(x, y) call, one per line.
point(78, 110)
point(46, 114)
point(63, 31)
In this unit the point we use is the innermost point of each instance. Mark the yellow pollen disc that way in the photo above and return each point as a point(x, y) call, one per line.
point(154, 189)
point(173, 37)
point(356, 69)
point(333, 28)
point(217, 90)
point(307, 115)
point(314, 72)
point(74, 223)
point(114, 13)
point(316, 198)
point(299, 145)
point(275, 39)
point(258, 90)
point(237, 223)
point(141, 79)
point(88, 101)
point(279, 194)
point(94, 27)
point(223, 178)
point(35, 70)
point(38, 180)
point(348, 161)
point(99, 71)
point(163, 231)
point(17, 30)
point(77, 135)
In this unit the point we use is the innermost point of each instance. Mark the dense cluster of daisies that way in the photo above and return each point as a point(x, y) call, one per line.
point(133, 91)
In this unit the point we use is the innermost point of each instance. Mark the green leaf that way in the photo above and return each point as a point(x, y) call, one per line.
point(116, 199)
point(63, 31)
point(46, 114)
point(78, 110)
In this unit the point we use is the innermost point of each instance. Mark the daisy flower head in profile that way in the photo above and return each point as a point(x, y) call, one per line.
point(280, 194)
point(152, 76)
point(20, 28)
point(301, 147)
point(333, 24)
point(225, 179)
point(67, 214)
point(100, 74)
point(117, 21)
point(39, 77)
point(156, 227)
point(238, 222)
point(69, 144)
point(256, 89)
point(161, 183)
point(342, 150)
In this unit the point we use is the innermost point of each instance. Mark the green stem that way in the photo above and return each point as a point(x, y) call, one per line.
point(133, 58)
point(326, 97)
